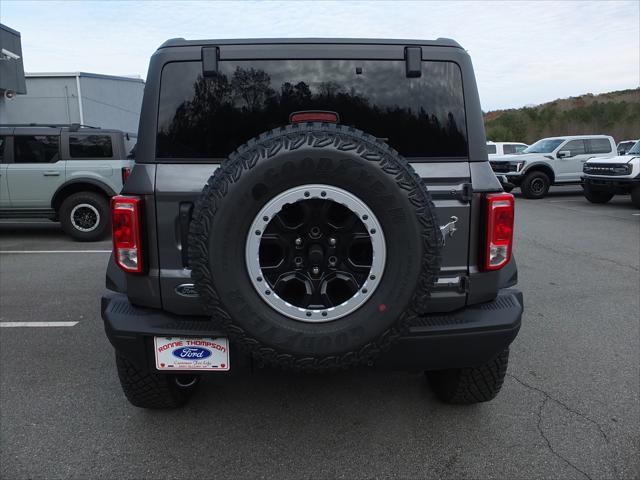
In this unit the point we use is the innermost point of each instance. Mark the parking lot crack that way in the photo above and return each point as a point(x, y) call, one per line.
point(545, 399)
point(563, 405)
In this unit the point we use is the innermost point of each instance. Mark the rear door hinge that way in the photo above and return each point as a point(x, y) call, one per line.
point(467, 192)
point(464, 284)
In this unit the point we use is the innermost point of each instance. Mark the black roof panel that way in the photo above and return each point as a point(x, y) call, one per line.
point(439, 42)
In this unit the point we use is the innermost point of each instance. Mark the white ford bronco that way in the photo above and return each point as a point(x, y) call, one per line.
point(605, 177)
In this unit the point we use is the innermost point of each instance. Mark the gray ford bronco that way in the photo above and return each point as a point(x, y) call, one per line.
point(312, 205)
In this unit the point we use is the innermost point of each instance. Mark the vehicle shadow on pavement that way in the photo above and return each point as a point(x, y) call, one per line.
point(42, 229)
point(363, 423)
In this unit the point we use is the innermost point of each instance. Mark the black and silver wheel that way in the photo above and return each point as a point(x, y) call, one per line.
point(315, 253)
point(85, 216)
point(535, 185)
point(314, 247)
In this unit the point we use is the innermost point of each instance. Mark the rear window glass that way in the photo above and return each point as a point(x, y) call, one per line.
point(491, 149)
point(508, 149)
point(209, 117)
point(599, 145)
point(90, 146)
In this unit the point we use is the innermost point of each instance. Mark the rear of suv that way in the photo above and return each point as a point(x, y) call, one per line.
point(63, 173)
point(312, 205)
point(550, 161)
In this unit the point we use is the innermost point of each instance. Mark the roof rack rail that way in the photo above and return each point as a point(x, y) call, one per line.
point(74, 127)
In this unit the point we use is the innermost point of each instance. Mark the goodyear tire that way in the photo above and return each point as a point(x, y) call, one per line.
point(466, 386)
point(347, 319)
point(153, 390)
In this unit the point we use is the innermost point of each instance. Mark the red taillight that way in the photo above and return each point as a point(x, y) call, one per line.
point(125, 220)
point(126, 171)
point(314, 116)
point(499, 234)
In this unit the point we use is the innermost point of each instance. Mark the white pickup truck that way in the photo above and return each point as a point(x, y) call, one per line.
point(550, 161)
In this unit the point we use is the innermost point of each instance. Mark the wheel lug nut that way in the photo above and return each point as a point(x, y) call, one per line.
point(298, 261)
point(332, 241)
point(298, 242)
point(315, 270)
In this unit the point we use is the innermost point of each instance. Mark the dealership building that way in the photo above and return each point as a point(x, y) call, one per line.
point(86, 98)
point(92, 99)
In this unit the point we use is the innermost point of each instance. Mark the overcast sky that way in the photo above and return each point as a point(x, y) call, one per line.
point(523, 52)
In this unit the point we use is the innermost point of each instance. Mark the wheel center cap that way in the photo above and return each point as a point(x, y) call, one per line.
point(316, 255)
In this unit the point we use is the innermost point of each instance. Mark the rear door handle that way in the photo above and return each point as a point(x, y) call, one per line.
point(51, 174)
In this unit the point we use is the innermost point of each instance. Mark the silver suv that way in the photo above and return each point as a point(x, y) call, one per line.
point(63, 173)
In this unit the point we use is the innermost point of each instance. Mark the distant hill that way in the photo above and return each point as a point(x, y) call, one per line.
point(614, 113)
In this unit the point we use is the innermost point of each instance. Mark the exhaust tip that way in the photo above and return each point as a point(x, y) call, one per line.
point(186, 381)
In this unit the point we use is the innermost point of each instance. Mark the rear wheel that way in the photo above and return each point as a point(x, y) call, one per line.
point(535, 185)
point(154, 390)
point(84, 216)
point(635, 196)
point(596, 196)
point(470, 385)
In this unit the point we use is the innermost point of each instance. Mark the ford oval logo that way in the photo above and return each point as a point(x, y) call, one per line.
point(191, 353)
point(186, 290)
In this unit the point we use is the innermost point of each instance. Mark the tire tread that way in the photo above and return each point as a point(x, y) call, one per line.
point(318, 135)
point(470, 385)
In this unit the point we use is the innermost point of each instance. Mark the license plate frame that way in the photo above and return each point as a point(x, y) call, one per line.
point(201, 354)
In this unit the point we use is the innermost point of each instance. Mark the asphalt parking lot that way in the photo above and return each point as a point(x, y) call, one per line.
point(569, 407)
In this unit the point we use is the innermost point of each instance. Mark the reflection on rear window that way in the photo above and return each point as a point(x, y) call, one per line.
point(208, 117)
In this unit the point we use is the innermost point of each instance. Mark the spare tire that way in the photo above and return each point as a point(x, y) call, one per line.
point(314, 246)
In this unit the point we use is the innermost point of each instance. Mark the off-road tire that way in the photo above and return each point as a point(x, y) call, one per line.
point(97, 201)
point(470, 385)
point(596, 196)
point(235, 307)
point(148, 389)
point(530, 180)
point(635, 196)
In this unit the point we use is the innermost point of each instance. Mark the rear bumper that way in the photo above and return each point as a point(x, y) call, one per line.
point(463, 338)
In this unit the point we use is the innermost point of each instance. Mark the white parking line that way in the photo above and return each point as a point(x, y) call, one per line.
point(38, 324)
point(55, 251)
